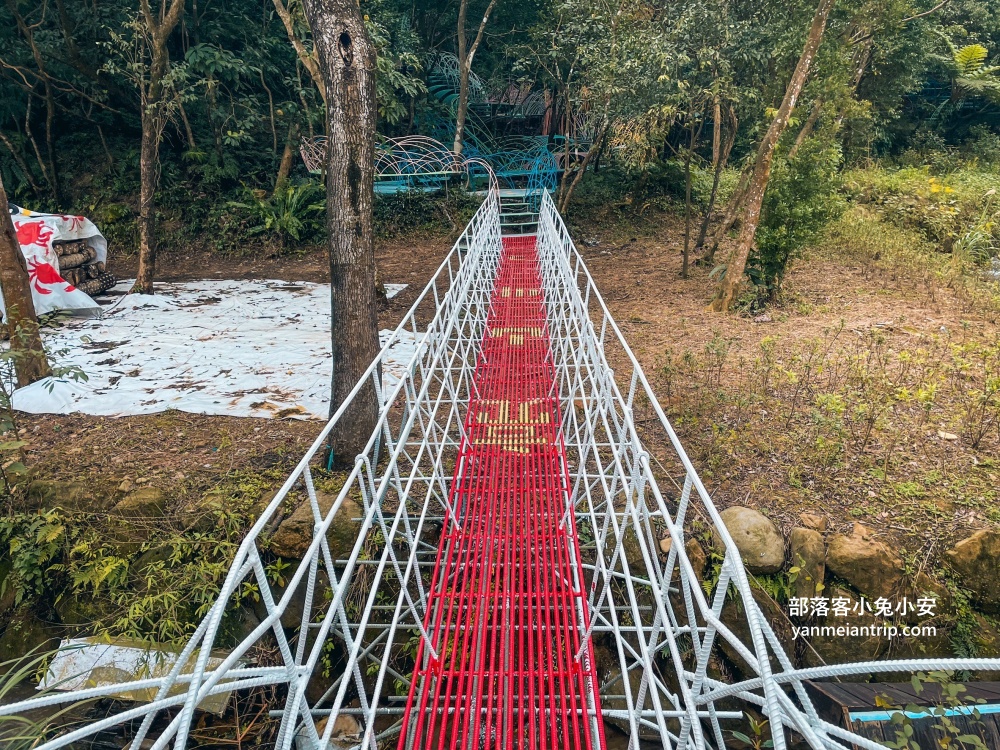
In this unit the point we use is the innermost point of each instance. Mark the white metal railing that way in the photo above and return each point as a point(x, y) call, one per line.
point(637, 486)
point(651, 620)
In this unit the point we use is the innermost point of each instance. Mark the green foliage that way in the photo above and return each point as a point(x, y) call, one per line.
point(973, 371)
point(155, 590)
point(970, 59)
point(21, 732)
point(35, 545)
point(294, 211)
point(409, 211)
point(756, 738)
point(949, 735)
point(981, 239)
point(970, 74)
point(801, 199)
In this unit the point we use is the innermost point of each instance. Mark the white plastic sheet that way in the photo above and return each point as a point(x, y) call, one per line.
point(256, 348)
point(83, 663)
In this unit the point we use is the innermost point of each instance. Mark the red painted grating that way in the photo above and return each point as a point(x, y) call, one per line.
point(506, 612)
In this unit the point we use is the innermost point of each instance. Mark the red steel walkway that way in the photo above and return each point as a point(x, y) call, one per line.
point(506, 613)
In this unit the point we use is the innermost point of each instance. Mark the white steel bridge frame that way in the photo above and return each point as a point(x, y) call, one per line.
point(652, 614)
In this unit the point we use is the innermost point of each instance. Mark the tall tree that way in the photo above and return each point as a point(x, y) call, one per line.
point(757, 184)
point(158, 26)
point(30, 362)
point(466, 53)
point(307, 57)
point(347, 64)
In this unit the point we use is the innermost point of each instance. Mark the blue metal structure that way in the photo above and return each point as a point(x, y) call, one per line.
point(426, 163)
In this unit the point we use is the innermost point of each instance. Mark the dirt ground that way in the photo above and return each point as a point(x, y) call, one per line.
point(188, 454)
point(638, 275)
point(658, 311)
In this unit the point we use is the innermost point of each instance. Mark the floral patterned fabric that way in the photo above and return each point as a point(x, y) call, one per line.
point(36, 232)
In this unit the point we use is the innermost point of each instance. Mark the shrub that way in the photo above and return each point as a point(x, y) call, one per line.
point(295, 211)
point(942, 209)
point(801, 200)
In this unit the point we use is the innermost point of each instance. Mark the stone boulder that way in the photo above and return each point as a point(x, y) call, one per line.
point(347, 730)
point(761, 546)
point(145, 569)
point(808, 554)
point(291, 618)
point(293, 537)
point(697, 557)
point(145, 503)
point(813, 521)
point(695, 554)
point(202, 514)
point(27, 636)
point(44, 494)
point(734, 616)
point(840, 649)
point(925, 586)
point(80, 611)
point(135, 519)
point(977, 562)
point(865, 563)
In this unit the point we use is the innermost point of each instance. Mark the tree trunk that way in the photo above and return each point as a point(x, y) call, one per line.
point(148, 164)
point(287, 158)
point(463, 97)
point(46, 174)
point(729, 219)
point(28, 32)
point(307, 58)
point(159, 27)
point(716, 132)
point(21, 163)
point(466, 53)
point(188, 133)
point(347, 64)
point(807, 128)
point(594, 148)
point(765, 156)
point(860, 59)
point(50, 147)
point(600, 153)
point(687, 197)
point(30, 362)
point(720, 165)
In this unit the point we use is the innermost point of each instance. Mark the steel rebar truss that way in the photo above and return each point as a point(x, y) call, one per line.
point(654, 627)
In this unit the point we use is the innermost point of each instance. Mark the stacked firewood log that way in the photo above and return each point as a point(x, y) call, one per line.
point(78, 265)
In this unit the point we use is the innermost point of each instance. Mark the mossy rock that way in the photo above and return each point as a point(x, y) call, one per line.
point(977, 562)
point(293, 537)
point(808, 553)
point(85, 497)
point(143, 564)
point(26, 635)
point(81, 611)
point(143, 503)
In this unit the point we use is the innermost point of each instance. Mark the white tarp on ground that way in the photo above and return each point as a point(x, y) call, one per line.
point(35, 233)
point(256, 348)
point(83, 663)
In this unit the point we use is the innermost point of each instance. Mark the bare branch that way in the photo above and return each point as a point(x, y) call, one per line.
point(935, 9)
